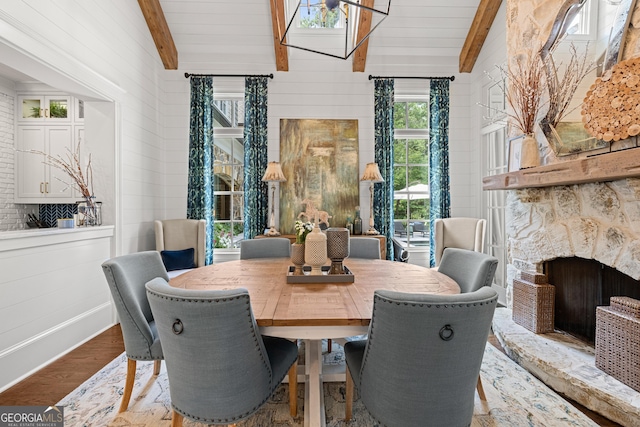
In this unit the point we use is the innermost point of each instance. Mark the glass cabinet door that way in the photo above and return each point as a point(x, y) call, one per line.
point(44, 108)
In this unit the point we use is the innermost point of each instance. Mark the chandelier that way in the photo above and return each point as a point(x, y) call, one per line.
point(334, 28)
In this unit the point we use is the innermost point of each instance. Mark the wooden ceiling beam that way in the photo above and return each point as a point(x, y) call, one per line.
point(364, 26)
point(279, 27)
point(486, 13)
point(160, 32)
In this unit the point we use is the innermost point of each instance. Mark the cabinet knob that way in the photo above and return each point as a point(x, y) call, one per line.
point(42, 187)
point(46, 112)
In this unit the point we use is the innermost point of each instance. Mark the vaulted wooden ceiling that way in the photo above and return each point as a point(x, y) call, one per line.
point(210, 31)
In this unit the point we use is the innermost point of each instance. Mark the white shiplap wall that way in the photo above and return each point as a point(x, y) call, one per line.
point(104, 50)
point(325, 88)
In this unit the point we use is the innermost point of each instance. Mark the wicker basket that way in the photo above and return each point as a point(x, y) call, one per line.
point(618, 344)
point(533, 306)
point(533, 277)
point(626, 305)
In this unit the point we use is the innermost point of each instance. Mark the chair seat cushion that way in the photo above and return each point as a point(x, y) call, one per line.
point(354, 353)
point(178, 260)
point(282, 353)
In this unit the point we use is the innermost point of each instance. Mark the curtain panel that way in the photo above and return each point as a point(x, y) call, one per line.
point(438, 156)
point(200, 200)
point(256, 192)
point(383, 155)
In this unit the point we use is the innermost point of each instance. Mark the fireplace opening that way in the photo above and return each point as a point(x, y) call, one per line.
point(582, 285)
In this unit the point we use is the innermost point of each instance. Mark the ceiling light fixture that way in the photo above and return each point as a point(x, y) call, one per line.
point(334, 28)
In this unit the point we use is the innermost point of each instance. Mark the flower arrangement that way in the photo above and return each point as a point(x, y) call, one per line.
point(302, 229)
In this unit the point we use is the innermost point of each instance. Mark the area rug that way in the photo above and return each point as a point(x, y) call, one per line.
point(514, 398)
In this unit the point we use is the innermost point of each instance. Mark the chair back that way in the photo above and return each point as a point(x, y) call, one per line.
point(399, 252)
point(218, 369)
point(269, 247)
point(423, 356)
point(463, 233)
point(178, 234)
point(471, 270)
point(126, 276)
point(364, 247)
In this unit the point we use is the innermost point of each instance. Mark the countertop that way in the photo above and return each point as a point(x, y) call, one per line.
point(20, 239)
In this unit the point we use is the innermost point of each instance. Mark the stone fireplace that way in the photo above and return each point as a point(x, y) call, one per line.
point(579, 226)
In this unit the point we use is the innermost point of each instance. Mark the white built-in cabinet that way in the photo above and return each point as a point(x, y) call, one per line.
point(50, 124)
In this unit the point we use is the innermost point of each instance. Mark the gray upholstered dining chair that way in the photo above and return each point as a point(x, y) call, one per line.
point(364, 247)
point(471, 270)
point(270, 247)
point(422, 358)
point(220, 369)
point(126, 276)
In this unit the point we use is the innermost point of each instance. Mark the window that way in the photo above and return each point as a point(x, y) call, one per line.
point(584, 24)
point(319, 16)
point(411, 171)
point(494, 139)
point(228, 170)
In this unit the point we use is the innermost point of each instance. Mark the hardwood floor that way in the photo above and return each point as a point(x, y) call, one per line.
point(53, 382)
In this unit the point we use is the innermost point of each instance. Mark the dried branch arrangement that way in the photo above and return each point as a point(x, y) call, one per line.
point(562, 82)
point(527, 84)
point(71, 166)
point(524, 86)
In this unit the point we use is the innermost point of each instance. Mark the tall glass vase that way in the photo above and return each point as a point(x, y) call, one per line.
point(89, 212)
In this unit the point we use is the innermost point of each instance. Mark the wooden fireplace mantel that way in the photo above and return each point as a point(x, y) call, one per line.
point(605, 167)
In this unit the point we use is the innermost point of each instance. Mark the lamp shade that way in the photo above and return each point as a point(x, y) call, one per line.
point(274, 173)
point(372, 173)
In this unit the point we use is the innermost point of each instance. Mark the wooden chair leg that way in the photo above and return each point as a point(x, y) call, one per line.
point(128, 385)
point(329, 345)
point(481, 390)
point(348, 398)
point(293, 389)
point(176, 419)
point(156, 366)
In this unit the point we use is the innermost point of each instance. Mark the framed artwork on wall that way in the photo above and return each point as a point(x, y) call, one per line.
point(319, 158)
point(515, 153)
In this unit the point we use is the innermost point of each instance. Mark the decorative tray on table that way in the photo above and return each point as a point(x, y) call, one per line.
point(347, 277)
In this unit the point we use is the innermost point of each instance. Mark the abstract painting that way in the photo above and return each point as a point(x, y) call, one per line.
point(319, 158)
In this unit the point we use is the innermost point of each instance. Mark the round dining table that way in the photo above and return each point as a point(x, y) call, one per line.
point(315, 311)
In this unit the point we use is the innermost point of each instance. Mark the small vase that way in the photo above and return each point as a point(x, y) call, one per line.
point(337, 248)
point(530, 153)
point(315, 250)
point(297, 258)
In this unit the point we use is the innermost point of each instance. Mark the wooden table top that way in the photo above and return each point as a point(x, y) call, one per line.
point(277, 303)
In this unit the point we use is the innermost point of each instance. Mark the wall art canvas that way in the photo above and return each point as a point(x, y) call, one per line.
point(319, 158)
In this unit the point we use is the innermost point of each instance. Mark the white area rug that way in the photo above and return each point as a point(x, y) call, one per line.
point(515, 398)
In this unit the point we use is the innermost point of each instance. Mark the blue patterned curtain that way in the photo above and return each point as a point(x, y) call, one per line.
point(200, 186)
point(383, 154)
point(438, 156)
point(256, 195)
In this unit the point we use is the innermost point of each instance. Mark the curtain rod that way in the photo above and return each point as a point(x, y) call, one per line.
point(187, 75)
point(452, 78)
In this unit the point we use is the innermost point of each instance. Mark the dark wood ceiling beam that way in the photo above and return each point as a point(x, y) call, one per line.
point(486, 13)
point(160, 32)
point(364, 26)
point(279, 27)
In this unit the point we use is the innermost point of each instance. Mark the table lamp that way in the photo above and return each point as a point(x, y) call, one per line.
point(273, 174)
point(372, 174)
